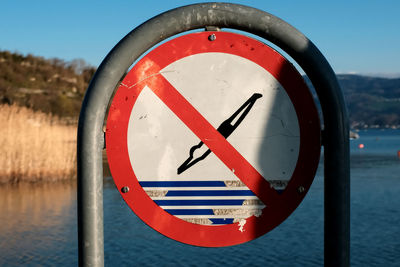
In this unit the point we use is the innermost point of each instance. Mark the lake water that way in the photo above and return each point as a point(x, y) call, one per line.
point(38, 223)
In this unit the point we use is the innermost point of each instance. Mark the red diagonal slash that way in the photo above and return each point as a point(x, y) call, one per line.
point(213, 139)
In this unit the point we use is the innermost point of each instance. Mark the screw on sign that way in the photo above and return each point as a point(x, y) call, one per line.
point(213, 139)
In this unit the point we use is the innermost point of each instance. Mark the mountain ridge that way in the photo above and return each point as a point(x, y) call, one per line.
point(57, 87)
point(372, 102)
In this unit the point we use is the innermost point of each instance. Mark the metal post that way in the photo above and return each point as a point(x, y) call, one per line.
point(222, 15)
point(90, 185)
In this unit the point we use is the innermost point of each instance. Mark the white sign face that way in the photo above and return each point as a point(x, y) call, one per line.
point(217, 85)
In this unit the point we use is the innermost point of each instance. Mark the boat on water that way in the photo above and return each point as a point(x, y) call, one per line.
point(354, 135)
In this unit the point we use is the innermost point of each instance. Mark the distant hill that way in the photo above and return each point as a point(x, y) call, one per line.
point(57, 87)
point(371, 102)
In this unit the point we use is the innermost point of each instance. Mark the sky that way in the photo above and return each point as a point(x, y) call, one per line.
point(355, 36)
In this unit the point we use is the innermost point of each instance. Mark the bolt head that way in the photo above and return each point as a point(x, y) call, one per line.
point(125, 189)
point(301, 189)
point(212, 37)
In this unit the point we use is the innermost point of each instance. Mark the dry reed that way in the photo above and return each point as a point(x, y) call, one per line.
point(35, 146)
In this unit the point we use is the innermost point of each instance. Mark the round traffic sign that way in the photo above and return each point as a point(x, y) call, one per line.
point(213, 138)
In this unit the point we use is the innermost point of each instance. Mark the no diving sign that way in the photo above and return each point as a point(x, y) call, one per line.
point(213, 138)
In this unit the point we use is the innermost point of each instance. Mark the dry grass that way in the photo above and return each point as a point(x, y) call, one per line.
point(35, 146)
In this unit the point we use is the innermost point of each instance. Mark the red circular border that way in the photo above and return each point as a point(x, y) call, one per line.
point(117, 150)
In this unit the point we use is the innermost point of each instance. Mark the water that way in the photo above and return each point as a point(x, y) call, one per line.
point(38, 223)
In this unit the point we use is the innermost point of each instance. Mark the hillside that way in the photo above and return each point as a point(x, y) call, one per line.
point(57, 87)
point(49, 85)
point(371, 102)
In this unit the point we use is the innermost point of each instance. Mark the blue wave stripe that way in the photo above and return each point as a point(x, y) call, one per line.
point(190, 211)
point(192, 193)
point(221, 221)
point(182, 184)
point(201, 202)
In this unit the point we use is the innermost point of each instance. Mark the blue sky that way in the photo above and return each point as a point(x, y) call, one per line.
point(355, 36)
